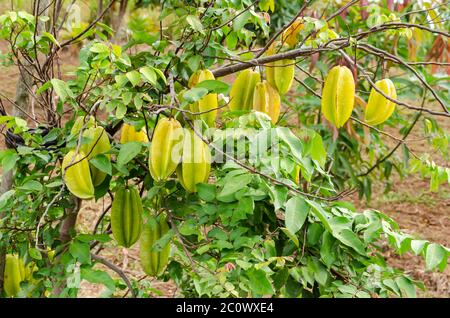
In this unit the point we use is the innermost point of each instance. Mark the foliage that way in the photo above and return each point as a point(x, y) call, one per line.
point(270, 221)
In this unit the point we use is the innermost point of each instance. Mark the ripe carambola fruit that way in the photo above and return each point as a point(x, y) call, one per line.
point(290, 35)
point(98, 144)
point(78, 176)
point(195, 163)
point(126, 216)
point(338, 95)
point(267, 100)
point(129, 133)
point(208, 104)
point(12, 275)
point(241, 94)
point(166, 148)
point(154, 262)
point(280, 74)
point(379, 108)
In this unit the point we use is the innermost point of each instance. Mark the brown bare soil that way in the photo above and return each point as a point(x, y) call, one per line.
point(410, 203)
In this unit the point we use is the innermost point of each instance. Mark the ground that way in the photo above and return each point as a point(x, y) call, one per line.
point(410, 203)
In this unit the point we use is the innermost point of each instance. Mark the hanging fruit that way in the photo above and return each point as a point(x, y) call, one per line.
point(12, 275)
point(241, 94)
point(290, 35)
point(78, 176)
point(338, 95)
point(154, 262)
point(98, 144)
point(379, 108)
point(207, 106)
point(129, 133)
point(166, 147)
point(280, 74)
point(196, 162)
point(126, 216)
point(267, 100)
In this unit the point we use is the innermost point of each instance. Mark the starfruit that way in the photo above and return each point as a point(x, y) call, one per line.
point(77, 177)
point(280, 74)
point(241, 93)
point(154, 262)
point(208, 104)
point(12, 275)
point(126, 216)
point(195, 163)
point(379, 108)
point(290, 35)
point(267, 100)
point(166, 148)
point(129, 133)
point(98, 143)
point(338, 95)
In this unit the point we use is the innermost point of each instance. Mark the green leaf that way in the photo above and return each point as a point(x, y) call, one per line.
point(194, 94)
point(406, 286)
point(128, 151)
point(80, 251)
point(317, 150)
point(98, 277)
point(417, 246)
point(32, 186)
point(121, 110)
point(9, 159)
point(134, 77)
point(291, 236)
point(206, 192)
point(51, 38)
point(320, 213)
point(99, 48)
point(295, 214)
point(160, 74)
point(102, 163)
point(349, 238)
point(434, 255)
point(121, 79)
point(34, 253)
point(258, 282)
point(195, 23)
point(62, 89)
point(149, 74)
point(214, 86)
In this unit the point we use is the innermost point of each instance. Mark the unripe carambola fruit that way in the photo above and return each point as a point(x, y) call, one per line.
point(209, 103)
point(267, 100)
point(195, 163)
point(129, 133)
point(98, 144)
point(338, 95)
point(379, 108)
point(78, 176)
point(241, 94)
point(290, 35)
point(12, 275)
point(126, 216)
point(153, 262)
point(280, 74)
point(166, 148)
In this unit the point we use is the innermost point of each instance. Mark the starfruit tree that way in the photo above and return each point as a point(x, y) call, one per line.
point(218, 142)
